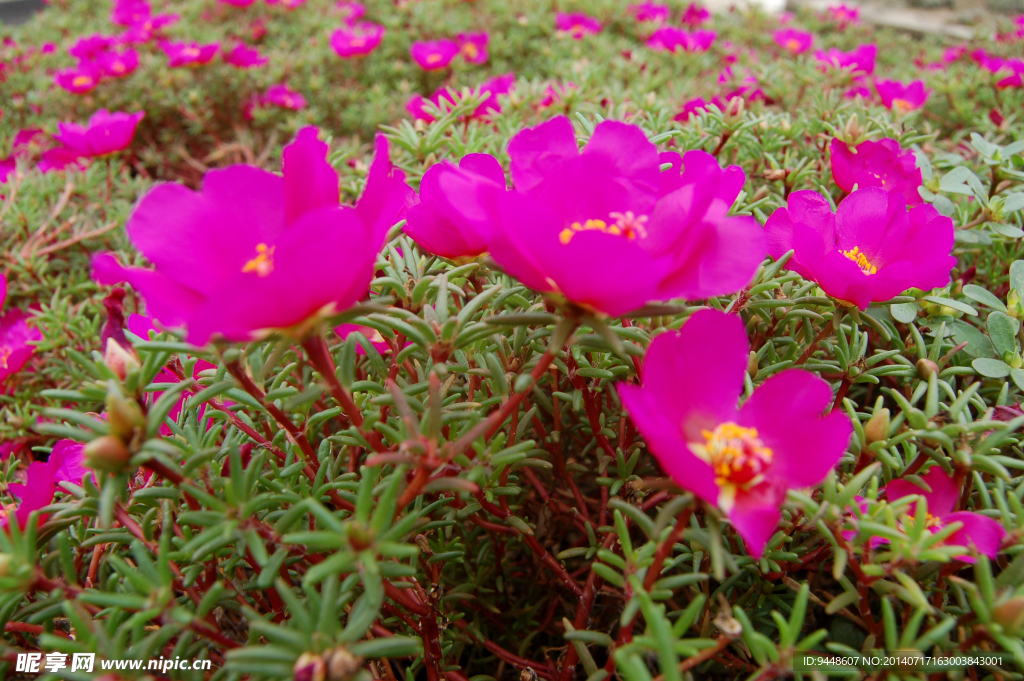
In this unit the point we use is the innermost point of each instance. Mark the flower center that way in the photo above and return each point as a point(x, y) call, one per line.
point(5, 352)
point(862, 261)
point(933, 523)
point(793, 44)
point(81, 81)
point(626, 224)
point(263, 263)
point(902, 105)
point(358, 41)
point(470, 50)
point(737, 455)
point(433, 58)
point(190, 53)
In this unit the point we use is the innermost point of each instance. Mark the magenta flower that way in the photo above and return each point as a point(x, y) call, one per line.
point(902, 97)
point(283, 96)
point(556, 93)
point(859, 90)
point(445, 100)
point(79, 80)
point(16, 337)
point(694, 15)
point(7, 167)
point(691, 108)
point(65, 464)
point(861, 59)
point(952, 54)
point(437, 224)
point(742, 460)
point(350, 10)
point(983, 534)
point(699, 41)
point(667, 39)
point(91, 47)
point(473, 47)
point(242, 56)
point(433, 55)
point(606, 230)
point(58, 158)
point(145, 30)
point(119, 63)
point(237, 3)
point(649, 11)
point(106, 133)
point(844, 15)
point(129, 12)
point(188, 53)
point(793, 40)
point(255, 252)
point(357, 40)
point(577, 24)
point(494, 87)
point(877, 164)
point(372, 335)
point(870, 250)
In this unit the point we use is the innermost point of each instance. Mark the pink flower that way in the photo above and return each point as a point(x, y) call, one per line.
point(79, 80)
point(844, 15)
point(188, 53)
point(357, 40)
point(106, 133)
point(952, 54)
point(902, 97)
point(119, 64)
point(65, 464)
point(7, 167)
point(577, 24)
point(742, 460)
point(372, 335)
point(58, 158)
point(649, 11)
point(254, 251)
point(15, 337)
point(606, 230)
point(877, 164)
point(699, 41)
point(870, 250)
point(794, 41)
point(445, 100)
point(556, 93)
point(860, 60)
point(145, 30)
point(283, 96)
point(694, 15)
point(691, 108)
point(983, 534)
point(859, 90)
point(128, 12)
point(237, 3)
point(434, 55)
point(667, 39)
point(92, 47)
point(288, 4)
point(473, 47)
point(441, 227)
point(351, 11)
point(244, 57)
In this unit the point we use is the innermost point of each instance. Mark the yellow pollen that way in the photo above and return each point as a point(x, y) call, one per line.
point(190, 52)
point(5, 352)
point(932, 521)
point(358, 42)
point(433, 58)
point(738, 458)
point(793, 44)
point(626, 224)
point(862, 261)
point(902, 105)
point(470, 50)
point(81, 81)
point(263, 263)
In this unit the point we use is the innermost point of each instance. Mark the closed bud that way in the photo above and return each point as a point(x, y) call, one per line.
point(852, 131)
point(124, 416)
point(5, 564)
point(752, 364)
point(107, 453)
point(877, 427)
point(119, 360)
point(925, 368)
point(1010, 615)
point(341, 664)
point(310, 667)
point(1014, 305)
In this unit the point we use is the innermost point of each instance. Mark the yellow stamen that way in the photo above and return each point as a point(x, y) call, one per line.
point(626, 224)
point(793, 45)
point(470, 50)
point(5, 352)
point(263, 263)
point(902, 105)
point(737, 456)
point(81, 81)
point(433, 58)
point(358, 42)
point(862, 261)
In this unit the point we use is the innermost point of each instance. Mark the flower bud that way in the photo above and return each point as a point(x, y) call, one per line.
point(877, 427)
point(1010, 615)
point(925, 368)
point(310, 667)
point(341, 664)
point(1014, 305)
point(124, 416)
point(5, 564)
point(752, 363)
point(107, 453)
point(852, 131)
point(120, 360)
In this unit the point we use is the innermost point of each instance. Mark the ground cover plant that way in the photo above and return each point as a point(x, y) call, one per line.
point(484, 340)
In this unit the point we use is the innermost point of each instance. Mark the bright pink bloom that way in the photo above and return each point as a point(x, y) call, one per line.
point(844, 15)
point(7, 166)
point(189, 53)
point(902, 97)
point(434, 55)
point(952, 54)
point(691, 108)
point(862, 59)
point(119, 63)
point(15, 337)
point(699, 41)
point(649, 11)
point(350, 10)
point(473, 47)
point(372, 335)
point(145, 30)
point(742, 460)
point(254, 251)
point(441, 227)
point(979, 532)
point(42, 481)
point(870, 250)
point(445, 99)
point(58, 158)
point(128, 12)
point(793, 40)
point(79, 80)
point(556, 93)
point(877, 164)
point(577, 24)
point(357, 40)
point(106, 133)
point(237, 3)
point(859, 90)
point(92, 47)
point(606, 230)
point(667, 39)
point(244, 57)
point(283, 96)
point(287, 4)
point(694, 15)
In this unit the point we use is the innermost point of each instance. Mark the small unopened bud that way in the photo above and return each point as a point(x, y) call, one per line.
point(119, 360)
point(124, 416)
point(752, 363)
point(1010, 615)
point(107, 453)
point(926, 367)
point(852, 130)
point(5, 564)
point(877, 427)
point(341, 664)
point(310, 667)
point(1014, 305)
